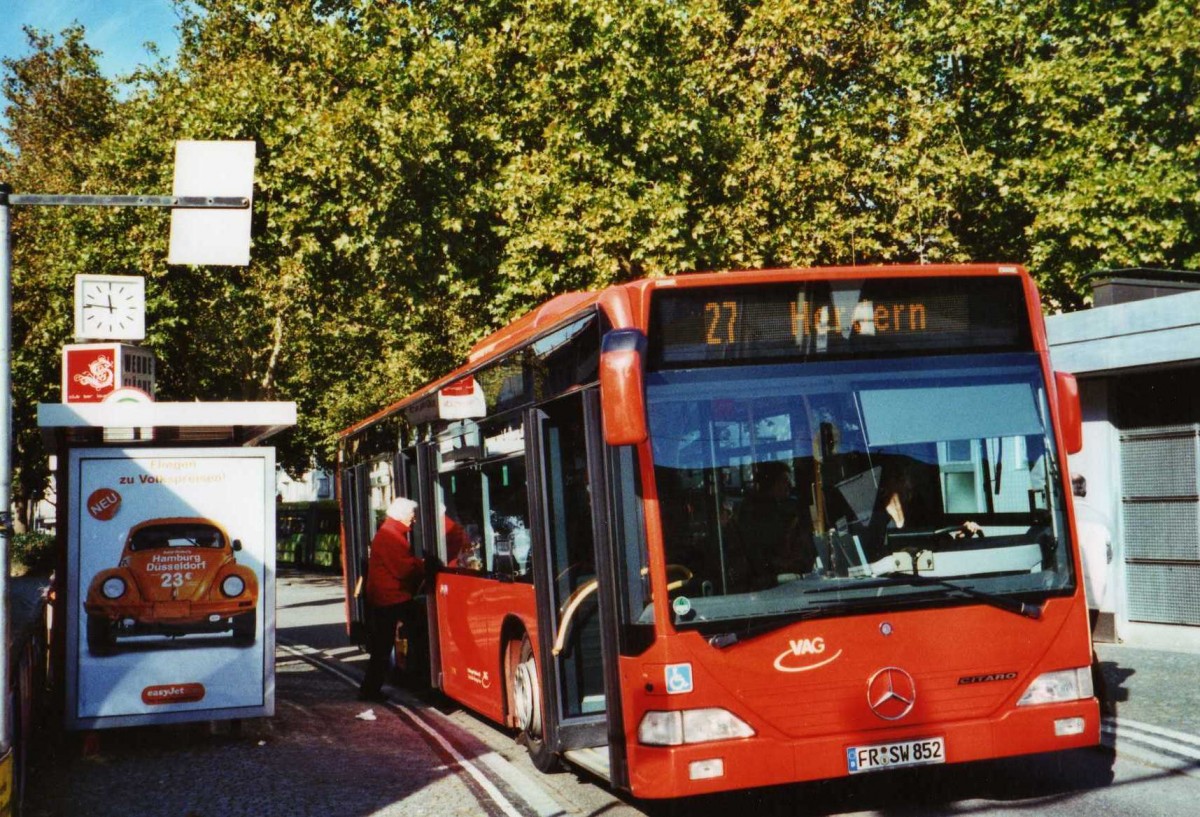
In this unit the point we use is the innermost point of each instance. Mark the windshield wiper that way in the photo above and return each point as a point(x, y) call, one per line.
point(723, 640)
point(1006, 603)
point(1011, 605)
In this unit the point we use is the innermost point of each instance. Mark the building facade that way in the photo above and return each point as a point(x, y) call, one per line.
point(1137, 357)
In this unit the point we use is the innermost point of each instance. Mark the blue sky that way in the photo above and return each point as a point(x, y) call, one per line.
point(117, 28)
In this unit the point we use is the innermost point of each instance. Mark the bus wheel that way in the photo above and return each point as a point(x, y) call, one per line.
point(527, 707)
point(100, 639)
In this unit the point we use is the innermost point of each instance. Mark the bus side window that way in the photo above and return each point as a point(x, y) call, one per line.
point(508, 518)
point(462, 496)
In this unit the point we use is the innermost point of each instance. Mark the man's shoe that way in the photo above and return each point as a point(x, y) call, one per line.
point(376, 697)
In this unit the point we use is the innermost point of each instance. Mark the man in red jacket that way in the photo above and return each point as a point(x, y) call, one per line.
point(393, 576)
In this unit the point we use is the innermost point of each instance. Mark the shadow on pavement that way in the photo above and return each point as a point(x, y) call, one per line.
point(316, 756)
point(317, 603)
point(317, 636)
point(1115, 677)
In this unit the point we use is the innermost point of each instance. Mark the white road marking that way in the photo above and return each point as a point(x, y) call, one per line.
point(1154, 745)
point(337, 652)
point(533, 794)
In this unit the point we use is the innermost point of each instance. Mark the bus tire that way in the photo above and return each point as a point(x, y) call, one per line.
point(525, 690)
point(100, 639)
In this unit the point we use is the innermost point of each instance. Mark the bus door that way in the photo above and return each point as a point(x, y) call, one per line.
point(411, 465)
point(464, 586)
point(419, 465)
point(575, 629)
point(354, 552)
point(367, 489)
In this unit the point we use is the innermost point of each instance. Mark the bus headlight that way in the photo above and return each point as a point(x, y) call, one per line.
point(232, 586)
point(113, 587)
point(661, 729)
point(1055, 687)
point(691, 726)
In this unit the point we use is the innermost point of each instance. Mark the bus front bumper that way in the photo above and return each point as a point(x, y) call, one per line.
point(659, 772)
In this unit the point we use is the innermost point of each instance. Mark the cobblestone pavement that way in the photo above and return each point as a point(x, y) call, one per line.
point(314, 757)
point(317, 756)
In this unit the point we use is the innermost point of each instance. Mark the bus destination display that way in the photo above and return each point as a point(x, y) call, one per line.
point(822, 319)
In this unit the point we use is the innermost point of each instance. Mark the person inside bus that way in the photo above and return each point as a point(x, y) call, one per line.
point(901, 505)
point(394, 575)
point(771, 530)
point(458, 541)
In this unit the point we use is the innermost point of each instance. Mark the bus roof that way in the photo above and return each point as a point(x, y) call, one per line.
point(627, 306)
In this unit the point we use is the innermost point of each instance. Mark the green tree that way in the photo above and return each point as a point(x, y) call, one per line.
point(1111, 106)
point(429, 170)
point(59, 109)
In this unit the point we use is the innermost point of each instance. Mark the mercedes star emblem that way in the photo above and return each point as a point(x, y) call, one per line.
point(891, 693)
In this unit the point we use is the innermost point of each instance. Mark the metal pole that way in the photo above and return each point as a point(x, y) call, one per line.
point(6, 443)
point(8, 198)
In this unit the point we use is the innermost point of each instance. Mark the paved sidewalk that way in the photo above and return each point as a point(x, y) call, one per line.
point(316, 756)
point(1153, 686)
point(321, 754)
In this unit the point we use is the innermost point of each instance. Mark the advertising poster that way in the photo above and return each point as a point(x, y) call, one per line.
point(170, 592)
point(92, 372)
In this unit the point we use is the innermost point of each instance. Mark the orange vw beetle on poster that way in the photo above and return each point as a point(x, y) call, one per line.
point(176, 576)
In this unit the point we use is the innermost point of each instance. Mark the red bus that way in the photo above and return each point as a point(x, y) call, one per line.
point(729, 530)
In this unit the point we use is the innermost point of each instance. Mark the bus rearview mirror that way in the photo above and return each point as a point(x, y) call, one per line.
point(622, 387)
point(1070, 413)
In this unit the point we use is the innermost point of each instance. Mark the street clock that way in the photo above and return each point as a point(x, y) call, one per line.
point(110, 307)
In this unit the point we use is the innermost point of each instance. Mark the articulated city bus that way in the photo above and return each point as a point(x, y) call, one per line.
point(737, 529)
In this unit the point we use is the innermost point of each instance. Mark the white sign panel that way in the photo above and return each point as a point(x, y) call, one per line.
point(212, 236)
point(170, 591)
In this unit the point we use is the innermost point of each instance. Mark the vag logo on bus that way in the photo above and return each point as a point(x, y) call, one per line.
point(793, 658)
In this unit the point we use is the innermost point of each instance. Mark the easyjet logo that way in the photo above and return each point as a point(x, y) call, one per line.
point(793, 658)
point(172, 694)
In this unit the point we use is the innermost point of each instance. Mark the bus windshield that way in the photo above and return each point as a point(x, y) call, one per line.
point(798, 488)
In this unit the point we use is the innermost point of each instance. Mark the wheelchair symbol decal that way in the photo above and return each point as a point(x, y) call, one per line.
point(679, 678)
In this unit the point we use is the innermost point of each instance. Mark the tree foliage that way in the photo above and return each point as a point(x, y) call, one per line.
point(59, 110)
point(429, 170)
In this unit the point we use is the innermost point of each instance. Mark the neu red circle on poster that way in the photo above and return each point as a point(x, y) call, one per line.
point(103, 504)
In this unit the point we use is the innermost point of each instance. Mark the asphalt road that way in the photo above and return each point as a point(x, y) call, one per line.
point(323, 754)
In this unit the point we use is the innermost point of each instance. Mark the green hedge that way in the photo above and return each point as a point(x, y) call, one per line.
point(32, 552)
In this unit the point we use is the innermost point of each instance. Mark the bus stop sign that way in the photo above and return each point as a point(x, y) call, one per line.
point(212, 236)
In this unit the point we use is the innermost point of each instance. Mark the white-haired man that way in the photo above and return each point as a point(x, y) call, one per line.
point(393, 576)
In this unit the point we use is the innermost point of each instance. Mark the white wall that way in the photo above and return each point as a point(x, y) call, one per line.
point(313, 485)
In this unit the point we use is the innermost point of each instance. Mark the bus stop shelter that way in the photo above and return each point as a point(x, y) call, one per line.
point(164, 608)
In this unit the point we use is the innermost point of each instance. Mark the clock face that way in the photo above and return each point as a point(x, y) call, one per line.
point(110, 307)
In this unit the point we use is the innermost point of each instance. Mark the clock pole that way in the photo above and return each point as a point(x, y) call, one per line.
point(7, 199)
point(6, 528)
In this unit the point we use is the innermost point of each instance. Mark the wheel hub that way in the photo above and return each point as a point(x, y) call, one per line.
point(527, 697)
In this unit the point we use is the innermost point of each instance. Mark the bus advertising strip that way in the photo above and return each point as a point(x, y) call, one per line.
point(773, 526)
point(165, 584)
